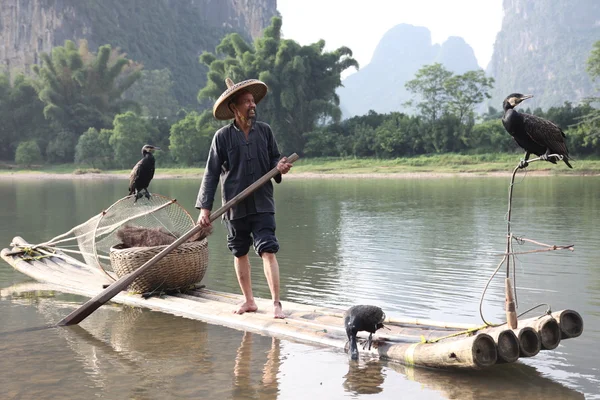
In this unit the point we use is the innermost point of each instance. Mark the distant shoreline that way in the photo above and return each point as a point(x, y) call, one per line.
point(292, 175)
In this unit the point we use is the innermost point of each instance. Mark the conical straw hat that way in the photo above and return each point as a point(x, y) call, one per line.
point(221, 108)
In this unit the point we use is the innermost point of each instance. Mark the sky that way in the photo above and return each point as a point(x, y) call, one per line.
point(360, 24)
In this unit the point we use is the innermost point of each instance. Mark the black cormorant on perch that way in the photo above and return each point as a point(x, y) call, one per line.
point(142, 173)
point(534, 134)
point(362, 318)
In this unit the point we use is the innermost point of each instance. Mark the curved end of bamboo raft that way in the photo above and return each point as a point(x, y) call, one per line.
point(548, 330)
point(485, 352)
point(570, 322)
point(508, 346)
point(530, 343)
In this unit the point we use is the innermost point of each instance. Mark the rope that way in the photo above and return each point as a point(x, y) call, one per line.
point(510, 254)
point(467, 332)
point(473, 330)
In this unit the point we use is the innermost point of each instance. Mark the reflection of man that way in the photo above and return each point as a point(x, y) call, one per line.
point(243, 369)
point(240, 154)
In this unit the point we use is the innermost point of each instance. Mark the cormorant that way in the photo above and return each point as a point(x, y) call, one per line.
point(362, 318)
point(142, 173)
point(534, 134)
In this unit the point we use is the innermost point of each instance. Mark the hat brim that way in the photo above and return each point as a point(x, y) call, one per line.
point(221, 108)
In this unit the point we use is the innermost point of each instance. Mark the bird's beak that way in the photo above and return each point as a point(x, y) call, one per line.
point(156, 148)
point(525, 97)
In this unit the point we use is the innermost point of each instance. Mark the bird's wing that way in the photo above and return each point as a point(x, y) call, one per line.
point(545, 133)
point(133, 176)
point(151, 172)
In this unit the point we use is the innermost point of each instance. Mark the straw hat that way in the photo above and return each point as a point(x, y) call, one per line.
point(221, 108)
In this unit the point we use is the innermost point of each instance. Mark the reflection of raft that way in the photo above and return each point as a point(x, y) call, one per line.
point(409, 341)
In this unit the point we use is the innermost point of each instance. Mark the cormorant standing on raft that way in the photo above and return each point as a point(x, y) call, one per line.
point(534, 134)
point(142, 173)
point(362, 318)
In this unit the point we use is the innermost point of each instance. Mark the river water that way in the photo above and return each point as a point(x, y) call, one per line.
point(420, 248)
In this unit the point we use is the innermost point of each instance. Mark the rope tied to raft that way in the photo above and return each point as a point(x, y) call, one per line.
point(468, 332)
point(33, 254)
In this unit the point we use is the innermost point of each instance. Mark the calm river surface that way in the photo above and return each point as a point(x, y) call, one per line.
point(416, 247)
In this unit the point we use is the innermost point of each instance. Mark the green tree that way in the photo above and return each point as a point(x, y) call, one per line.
point(191, 138)
point(593, 62)
point(61, 148)
point(21, 116)
point(490, 136)
point(465, 92)
point(129, 135)
point(393, 136)
point(429, 86)
point(81, 89)
point(447, 103)
point(28, 153)
point(301, 79)
point(93, 148)
point(585, 137)
point(154, 93)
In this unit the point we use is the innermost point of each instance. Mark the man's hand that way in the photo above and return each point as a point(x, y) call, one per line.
point(204, 217)
point(283, 166)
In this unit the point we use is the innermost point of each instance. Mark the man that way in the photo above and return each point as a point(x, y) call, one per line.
point(240, 154)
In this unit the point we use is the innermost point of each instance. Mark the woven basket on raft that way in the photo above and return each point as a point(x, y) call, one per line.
point(179, 269)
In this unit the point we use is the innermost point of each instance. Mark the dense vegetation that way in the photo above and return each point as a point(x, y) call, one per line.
point(542, 49)
point(301, 80)
point(158, 34)
point(84, 107)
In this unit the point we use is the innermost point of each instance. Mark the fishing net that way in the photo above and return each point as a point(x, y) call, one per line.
point(146, 223)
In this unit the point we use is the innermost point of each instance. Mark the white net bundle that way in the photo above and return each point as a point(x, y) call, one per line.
point(148, 222)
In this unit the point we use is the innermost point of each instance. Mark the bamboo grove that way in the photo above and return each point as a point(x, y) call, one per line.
point(98, 108)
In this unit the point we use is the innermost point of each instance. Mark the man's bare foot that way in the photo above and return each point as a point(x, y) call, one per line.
point(249, 306)
point(278, 310)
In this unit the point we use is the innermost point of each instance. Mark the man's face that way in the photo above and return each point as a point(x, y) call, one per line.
point(245, 106)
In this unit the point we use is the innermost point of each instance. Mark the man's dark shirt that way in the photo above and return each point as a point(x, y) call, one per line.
point(239, 163)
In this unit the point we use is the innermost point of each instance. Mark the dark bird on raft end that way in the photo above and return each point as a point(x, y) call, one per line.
point(362, 318)
point(534, 134)
point(142, 173)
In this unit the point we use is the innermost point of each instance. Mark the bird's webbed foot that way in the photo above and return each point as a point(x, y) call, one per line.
point(553, 158)
point(367, 343)
point(138, 196)
point(523, 164)
point(147, 194)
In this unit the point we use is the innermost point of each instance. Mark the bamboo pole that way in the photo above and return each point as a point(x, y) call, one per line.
point(471, 352)
point(507, 344)
point(510, 307)
point(529, 341)
point(570, 322)
point(548, 330)
point(400, 321)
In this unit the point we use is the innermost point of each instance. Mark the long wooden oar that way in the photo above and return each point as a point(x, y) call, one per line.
point(93, 304)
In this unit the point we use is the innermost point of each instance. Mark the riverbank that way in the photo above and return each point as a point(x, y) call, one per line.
point(439, 166)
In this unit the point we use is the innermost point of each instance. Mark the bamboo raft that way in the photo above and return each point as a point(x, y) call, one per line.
point(409, 341)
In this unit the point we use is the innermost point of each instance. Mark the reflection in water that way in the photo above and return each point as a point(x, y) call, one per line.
point(124, 352)
point(268, 386)
point(127, 352)
point(405, 245)
point(508, 381)
point(365, 379)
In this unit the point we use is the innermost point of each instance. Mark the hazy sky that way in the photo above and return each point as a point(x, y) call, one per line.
point(360, 24)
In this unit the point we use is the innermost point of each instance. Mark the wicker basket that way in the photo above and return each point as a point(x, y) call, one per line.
point(179, 269)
